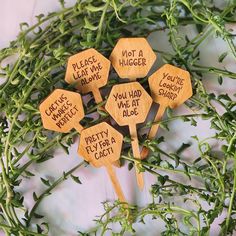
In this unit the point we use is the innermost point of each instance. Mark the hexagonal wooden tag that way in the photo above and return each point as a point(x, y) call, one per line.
point(128, 103)
point(62, 110)
point(101, 146)
point(89, 70)
point(132, 58)
point(170, 86)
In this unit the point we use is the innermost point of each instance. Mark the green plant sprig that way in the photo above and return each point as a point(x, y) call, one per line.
point(42, 51)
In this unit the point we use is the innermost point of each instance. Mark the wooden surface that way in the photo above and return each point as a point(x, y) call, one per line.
point(115, 183)
point(101, 145)
point(132, 58)
point(128, 103)
point(136, 154)
point(170, 86)
point(89, 71)
point(62, 110)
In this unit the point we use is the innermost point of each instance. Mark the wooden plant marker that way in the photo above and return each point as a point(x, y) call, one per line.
point(128, 104)
point(62, 110)
point(101, 146)
point(89, 71)
point(132, 58)
point(170, 87)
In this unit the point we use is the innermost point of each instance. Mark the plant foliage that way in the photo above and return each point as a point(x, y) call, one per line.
point(41, 52)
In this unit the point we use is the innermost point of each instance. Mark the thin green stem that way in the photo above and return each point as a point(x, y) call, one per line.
point(232, 200)
point(100, 26)
point(23, 231)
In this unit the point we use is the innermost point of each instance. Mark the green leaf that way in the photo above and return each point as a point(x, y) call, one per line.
point(34, 45)
point(195, 137)
point(92, 8)
point(46, 182)
point(26, 214)
point(88, 25)
point(164, 164)
point(197, 160)
point(17, 201)
point(30, 107)
point(65, 148)
point(169, 112)
point(15, 81)
point(64, 175)
point(225, 97)
point(39, 229)
point(127, 139)
point(163, 179)
point(116, 12)
point(193, 122)
point(185, 119)
point(38, 216)
point(24, 26)
point(130, 166)
point(44, 157)
point(183, 147)
point(203, 167)
point(186, 170)
point(164, 126)
point(76, 179)
point(62, 27)
point(177, 158)
point(102, 113)
point(161, 139)
point(220, 79)
point(28, 173)
point(46, 226)
point(40, 17)
point(222, 57)
point(35, 197)
point(62, 2)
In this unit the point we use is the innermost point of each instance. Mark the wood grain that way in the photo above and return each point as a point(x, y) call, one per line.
point(61, 111)
point(129, 104)
point(89, 71)
point(170, 87)
point(101, 145)
point(132, 58)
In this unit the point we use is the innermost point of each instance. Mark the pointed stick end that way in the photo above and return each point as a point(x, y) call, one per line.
point(144, 153)
point(140, 181)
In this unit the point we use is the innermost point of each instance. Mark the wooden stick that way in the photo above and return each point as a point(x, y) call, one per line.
point(116, 163)
point(115, 183)
point(136, 153)
point(97, 95)
point(158, 117)
point(102, 150)
point(153, 130)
